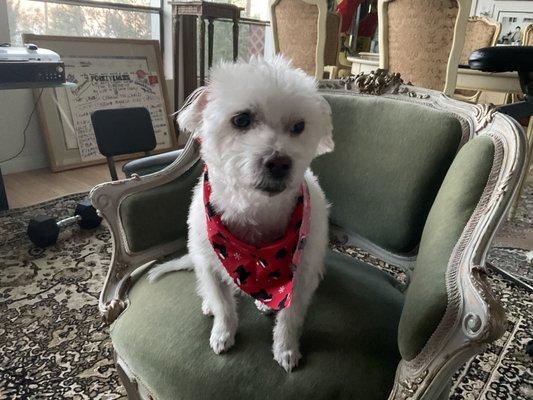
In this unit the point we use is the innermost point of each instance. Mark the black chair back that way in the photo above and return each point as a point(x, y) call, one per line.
point(121, 131)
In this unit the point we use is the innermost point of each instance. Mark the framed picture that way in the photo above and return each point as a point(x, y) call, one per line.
point(513, 26)
point(483, 8)
point(108, 73)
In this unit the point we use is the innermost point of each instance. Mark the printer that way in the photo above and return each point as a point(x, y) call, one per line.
point(29, 67)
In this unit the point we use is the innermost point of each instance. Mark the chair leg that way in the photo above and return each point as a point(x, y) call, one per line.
point(132, 389)
point(112, 168)
point(331, 72)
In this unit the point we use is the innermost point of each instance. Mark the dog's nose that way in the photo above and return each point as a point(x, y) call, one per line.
point(278, 166)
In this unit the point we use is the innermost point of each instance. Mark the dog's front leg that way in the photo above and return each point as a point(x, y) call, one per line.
point(221, 300)
point(289, 321)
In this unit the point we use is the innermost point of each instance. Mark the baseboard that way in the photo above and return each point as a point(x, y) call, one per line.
point(25, 163)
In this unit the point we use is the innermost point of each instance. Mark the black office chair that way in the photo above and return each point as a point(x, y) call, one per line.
point(508, 59)
point(122, 131)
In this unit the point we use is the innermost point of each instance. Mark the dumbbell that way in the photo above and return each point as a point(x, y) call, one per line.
point(43, 230)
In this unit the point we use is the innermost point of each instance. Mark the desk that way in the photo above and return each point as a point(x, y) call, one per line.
point(366, 62)
point(504, 82)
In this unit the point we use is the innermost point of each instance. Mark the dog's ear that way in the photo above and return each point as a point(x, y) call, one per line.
point(326, 143)
point(189, 116)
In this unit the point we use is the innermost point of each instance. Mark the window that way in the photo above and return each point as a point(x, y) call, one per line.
point(138, 19)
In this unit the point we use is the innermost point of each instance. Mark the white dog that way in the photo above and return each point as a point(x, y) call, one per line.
point(260, 125)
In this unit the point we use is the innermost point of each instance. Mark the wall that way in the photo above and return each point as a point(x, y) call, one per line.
point(4, 27)
point(15, 108)
point(491, 8)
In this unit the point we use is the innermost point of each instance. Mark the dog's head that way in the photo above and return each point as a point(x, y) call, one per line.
point(260, 124)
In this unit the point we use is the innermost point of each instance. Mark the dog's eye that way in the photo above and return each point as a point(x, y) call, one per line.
point(298, 127)
point(242, 120)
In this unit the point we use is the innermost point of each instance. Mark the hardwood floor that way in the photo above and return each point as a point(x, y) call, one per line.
point(32, 187)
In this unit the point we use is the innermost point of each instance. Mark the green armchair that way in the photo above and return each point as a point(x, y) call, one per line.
point(418, 179)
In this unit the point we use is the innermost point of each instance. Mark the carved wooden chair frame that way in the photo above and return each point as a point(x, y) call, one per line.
point(321, 32)
point(472, 318)
point(333, 70)
point(498, 28)
point(490, 22)
point(457, 45)
point(528, 35)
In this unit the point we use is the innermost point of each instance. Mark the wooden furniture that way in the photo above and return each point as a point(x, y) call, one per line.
point(364, 62)
point(377, 339)
point(528, 36)
point(423, 40)
point(480, 32)
point(185, 15)
point(344, 65)
point(332, 52)
point(306, 33)
point(503, 82)
point(466, 78)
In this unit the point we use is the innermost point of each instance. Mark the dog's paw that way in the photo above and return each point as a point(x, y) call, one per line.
point(263, 308)
point(206, 310)
point(156, 272)
point(221, 339)
point(287, 358)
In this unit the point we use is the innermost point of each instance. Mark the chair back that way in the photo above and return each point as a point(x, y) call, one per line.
point(389, 161)
point(299, 28)
point(480, 32)
point(122, 131)
point(423, 40)
point(528, 36)
point(333, 39)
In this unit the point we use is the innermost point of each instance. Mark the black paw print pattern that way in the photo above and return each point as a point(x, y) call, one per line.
point(242, 275)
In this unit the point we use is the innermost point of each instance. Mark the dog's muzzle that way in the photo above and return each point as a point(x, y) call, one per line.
point(278, 167)
point(276, 171)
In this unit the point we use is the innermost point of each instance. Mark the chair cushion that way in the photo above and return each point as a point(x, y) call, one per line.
point(159, 215)
point(389, 161)
point(348, 343)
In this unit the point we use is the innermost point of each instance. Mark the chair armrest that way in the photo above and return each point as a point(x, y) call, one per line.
point(147, 218)
point(158, 215)
point(449, 311)
point(426, 299)
point(150, 164)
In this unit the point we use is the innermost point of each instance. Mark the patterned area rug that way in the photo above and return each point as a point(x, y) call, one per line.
point(53, 344)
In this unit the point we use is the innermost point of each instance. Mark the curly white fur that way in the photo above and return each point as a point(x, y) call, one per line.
point(277, 96)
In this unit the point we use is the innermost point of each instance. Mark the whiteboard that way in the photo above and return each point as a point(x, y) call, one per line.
point(104, 83)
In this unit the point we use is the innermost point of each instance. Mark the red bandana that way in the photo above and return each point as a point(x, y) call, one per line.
point(266, 272)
